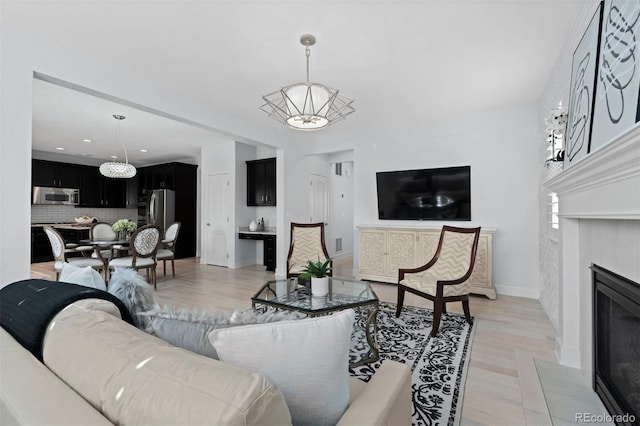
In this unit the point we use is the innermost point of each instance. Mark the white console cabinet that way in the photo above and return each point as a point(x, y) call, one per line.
point(384, 250)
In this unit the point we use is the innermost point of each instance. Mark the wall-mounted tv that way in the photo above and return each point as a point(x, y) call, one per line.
point(426, 194)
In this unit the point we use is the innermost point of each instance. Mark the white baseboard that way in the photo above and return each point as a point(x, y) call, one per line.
point(507, 290)
point(341, 255)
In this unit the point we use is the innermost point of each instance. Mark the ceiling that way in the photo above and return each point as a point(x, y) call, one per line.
point(204, 65)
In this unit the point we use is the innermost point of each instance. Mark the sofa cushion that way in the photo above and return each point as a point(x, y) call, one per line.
point(137, 295)
point(135, 378)
point(306, 359)
point(86, 276)
point(189, 328)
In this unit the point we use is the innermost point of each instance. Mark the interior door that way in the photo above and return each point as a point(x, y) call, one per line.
point(317, 198)
point(217, 224)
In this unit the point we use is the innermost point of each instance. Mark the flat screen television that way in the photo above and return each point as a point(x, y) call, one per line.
point(426, 194)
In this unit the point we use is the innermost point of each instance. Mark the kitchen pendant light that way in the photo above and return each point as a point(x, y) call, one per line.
point(116, 169)
point(307, 106)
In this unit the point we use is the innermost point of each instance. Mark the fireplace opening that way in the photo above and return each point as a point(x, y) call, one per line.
point(616, 344)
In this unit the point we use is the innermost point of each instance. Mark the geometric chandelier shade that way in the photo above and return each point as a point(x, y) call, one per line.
point(117, 169)
point(307, 106)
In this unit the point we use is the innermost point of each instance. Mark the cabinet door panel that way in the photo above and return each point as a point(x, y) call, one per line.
point(480, 277)
point(68, 176)
point(427, 246)
point(90, 187)
point(270, 183)
point(401, 251)
point(43, 173)
point(372, 252)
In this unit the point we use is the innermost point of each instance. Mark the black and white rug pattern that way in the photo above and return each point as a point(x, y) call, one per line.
point(438, 365)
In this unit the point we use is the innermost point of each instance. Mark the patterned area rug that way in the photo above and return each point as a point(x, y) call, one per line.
point(438, 365)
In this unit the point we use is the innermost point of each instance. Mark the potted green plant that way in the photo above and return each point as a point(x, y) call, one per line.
point(318, 271)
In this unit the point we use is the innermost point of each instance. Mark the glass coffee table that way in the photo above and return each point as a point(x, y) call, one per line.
point(291, 295)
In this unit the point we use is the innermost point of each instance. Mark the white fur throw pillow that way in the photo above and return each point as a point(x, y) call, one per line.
point(188, 328)
point(136, 294)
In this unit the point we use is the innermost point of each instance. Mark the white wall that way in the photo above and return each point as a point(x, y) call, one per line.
point(500, 146)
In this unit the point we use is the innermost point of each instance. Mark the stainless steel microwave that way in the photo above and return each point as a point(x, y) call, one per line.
point(46, 195)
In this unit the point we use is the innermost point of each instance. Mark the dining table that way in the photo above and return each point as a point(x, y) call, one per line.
point(114, 246)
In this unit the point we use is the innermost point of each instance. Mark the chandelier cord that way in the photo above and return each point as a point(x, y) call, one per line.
point(307, 52)
point(119, 136)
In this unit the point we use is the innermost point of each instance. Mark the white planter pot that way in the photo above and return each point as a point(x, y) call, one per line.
point(319, 286)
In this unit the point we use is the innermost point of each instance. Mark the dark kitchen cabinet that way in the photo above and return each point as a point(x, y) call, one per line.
point(54, 174)
point(268, 247)
point(164, 176)
point(40, 246)
point(99, 191)
point(181, 178)
point(261, 182)
point(269, 252)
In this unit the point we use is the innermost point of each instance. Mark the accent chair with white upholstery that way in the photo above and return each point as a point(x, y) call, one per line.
point(60, 251)
point(144, 246)
point(306, 243)
point(102, 231)
point(445, 278)
point(168, 250)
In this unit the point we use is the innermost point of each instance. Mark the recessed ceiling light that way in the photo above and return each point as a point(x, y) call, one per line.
point(87, 140)
point(114, 156)
point(59, 148)
point(143, 150)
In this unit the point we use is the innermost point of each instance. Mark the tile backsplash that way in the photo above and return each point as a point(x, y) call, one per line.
point(67, 214)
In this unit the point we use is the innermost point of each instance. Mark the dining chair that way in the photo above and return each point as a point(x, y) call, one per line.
point(60, 251)
point(102, 231)
point(144, 246)
point(168, 250)
point(306, 243)
point(445, 278)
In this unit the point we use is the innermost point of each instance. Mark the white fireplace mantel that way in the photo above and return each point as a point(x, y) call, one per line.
point(603, 185)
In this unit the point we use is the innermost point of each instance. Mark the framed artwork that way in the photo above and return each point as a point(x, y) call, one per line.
point(582, 91)
point(618, 84)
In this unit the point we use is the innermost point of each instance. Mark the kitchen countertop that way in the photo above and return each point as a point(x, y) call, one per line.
point(70, 225)
point(267, 231)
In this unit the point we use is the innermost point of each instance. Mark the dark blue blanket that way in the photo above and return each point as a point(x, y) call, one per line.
point(27, 307)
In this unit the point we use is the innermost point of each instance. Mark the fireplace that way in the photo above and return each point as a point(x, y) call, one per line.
point(616, 344)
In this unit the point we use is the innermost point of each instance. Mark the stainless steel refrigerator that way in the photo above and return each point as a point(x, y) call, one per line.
point(161, 208)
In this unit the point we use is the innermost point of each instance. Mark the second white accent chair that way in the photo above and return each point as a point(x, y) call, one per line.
point(168, 250)
point(144, 246)
point(60, 252)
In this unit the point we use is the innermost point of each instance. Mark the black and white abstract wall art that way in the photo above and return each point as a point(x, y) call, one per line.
point(616, 107)
point(581, 97)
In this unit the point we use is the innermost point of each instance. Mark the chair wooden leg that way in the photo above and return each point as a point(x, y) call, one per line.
point(153, 274)
point(438, 305)
point(444, 308)
point(465, 308)
point(173, 268)
point(164, 267)
point(400, 300)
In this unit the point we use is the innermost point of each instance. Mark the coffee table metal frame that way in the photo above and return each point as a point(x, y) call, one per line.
point(290, 295)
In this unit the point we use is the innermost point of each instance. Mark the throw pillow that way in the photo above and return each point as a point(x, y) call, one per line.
point(189, 329)
point(86, 276)
point(307, 360)
point(136, 294)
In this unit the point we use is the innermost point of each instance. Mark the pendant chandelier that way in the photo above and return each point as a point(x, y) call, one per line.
point(307, 106)
point(116, 169)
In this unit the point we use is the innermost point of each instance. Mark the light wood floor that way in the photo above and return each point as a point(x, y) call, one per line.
point(502, 383)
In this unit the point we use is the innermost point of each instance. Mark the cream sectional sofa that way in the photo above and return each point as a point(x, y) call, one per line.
point(99, 370)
